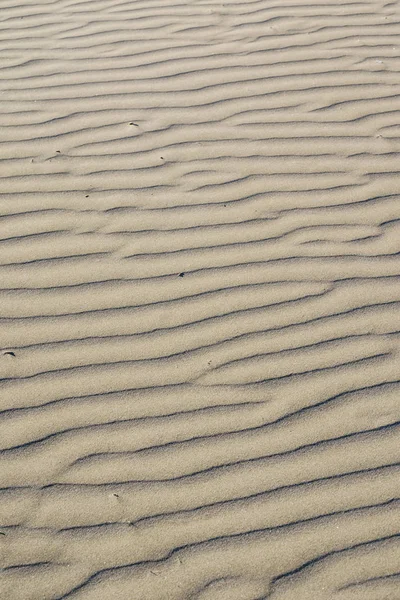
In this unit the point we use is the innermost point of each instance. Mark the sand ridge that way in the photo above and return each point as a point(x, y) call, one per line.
point(199, 300)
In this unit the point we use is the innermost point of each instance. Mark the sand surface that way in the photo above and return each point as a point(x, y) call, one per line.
point(200, 300)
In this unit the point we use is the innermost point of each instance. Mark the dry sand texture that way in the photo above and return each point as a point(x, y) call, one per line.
point(200, 287)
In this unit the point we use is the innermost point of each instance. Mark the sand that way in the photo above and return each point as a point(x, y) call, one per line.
point(200, 300)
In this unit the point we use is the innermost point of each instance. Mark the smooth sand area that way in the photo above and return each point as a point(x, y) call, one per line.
point(199, 300)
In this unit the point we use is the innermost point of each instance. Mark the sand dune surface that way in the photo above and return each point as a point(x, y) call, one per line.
point(200, 300)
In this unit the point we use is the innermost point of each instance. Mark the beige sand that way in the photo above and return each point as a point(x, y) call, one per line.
point(200, 300)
